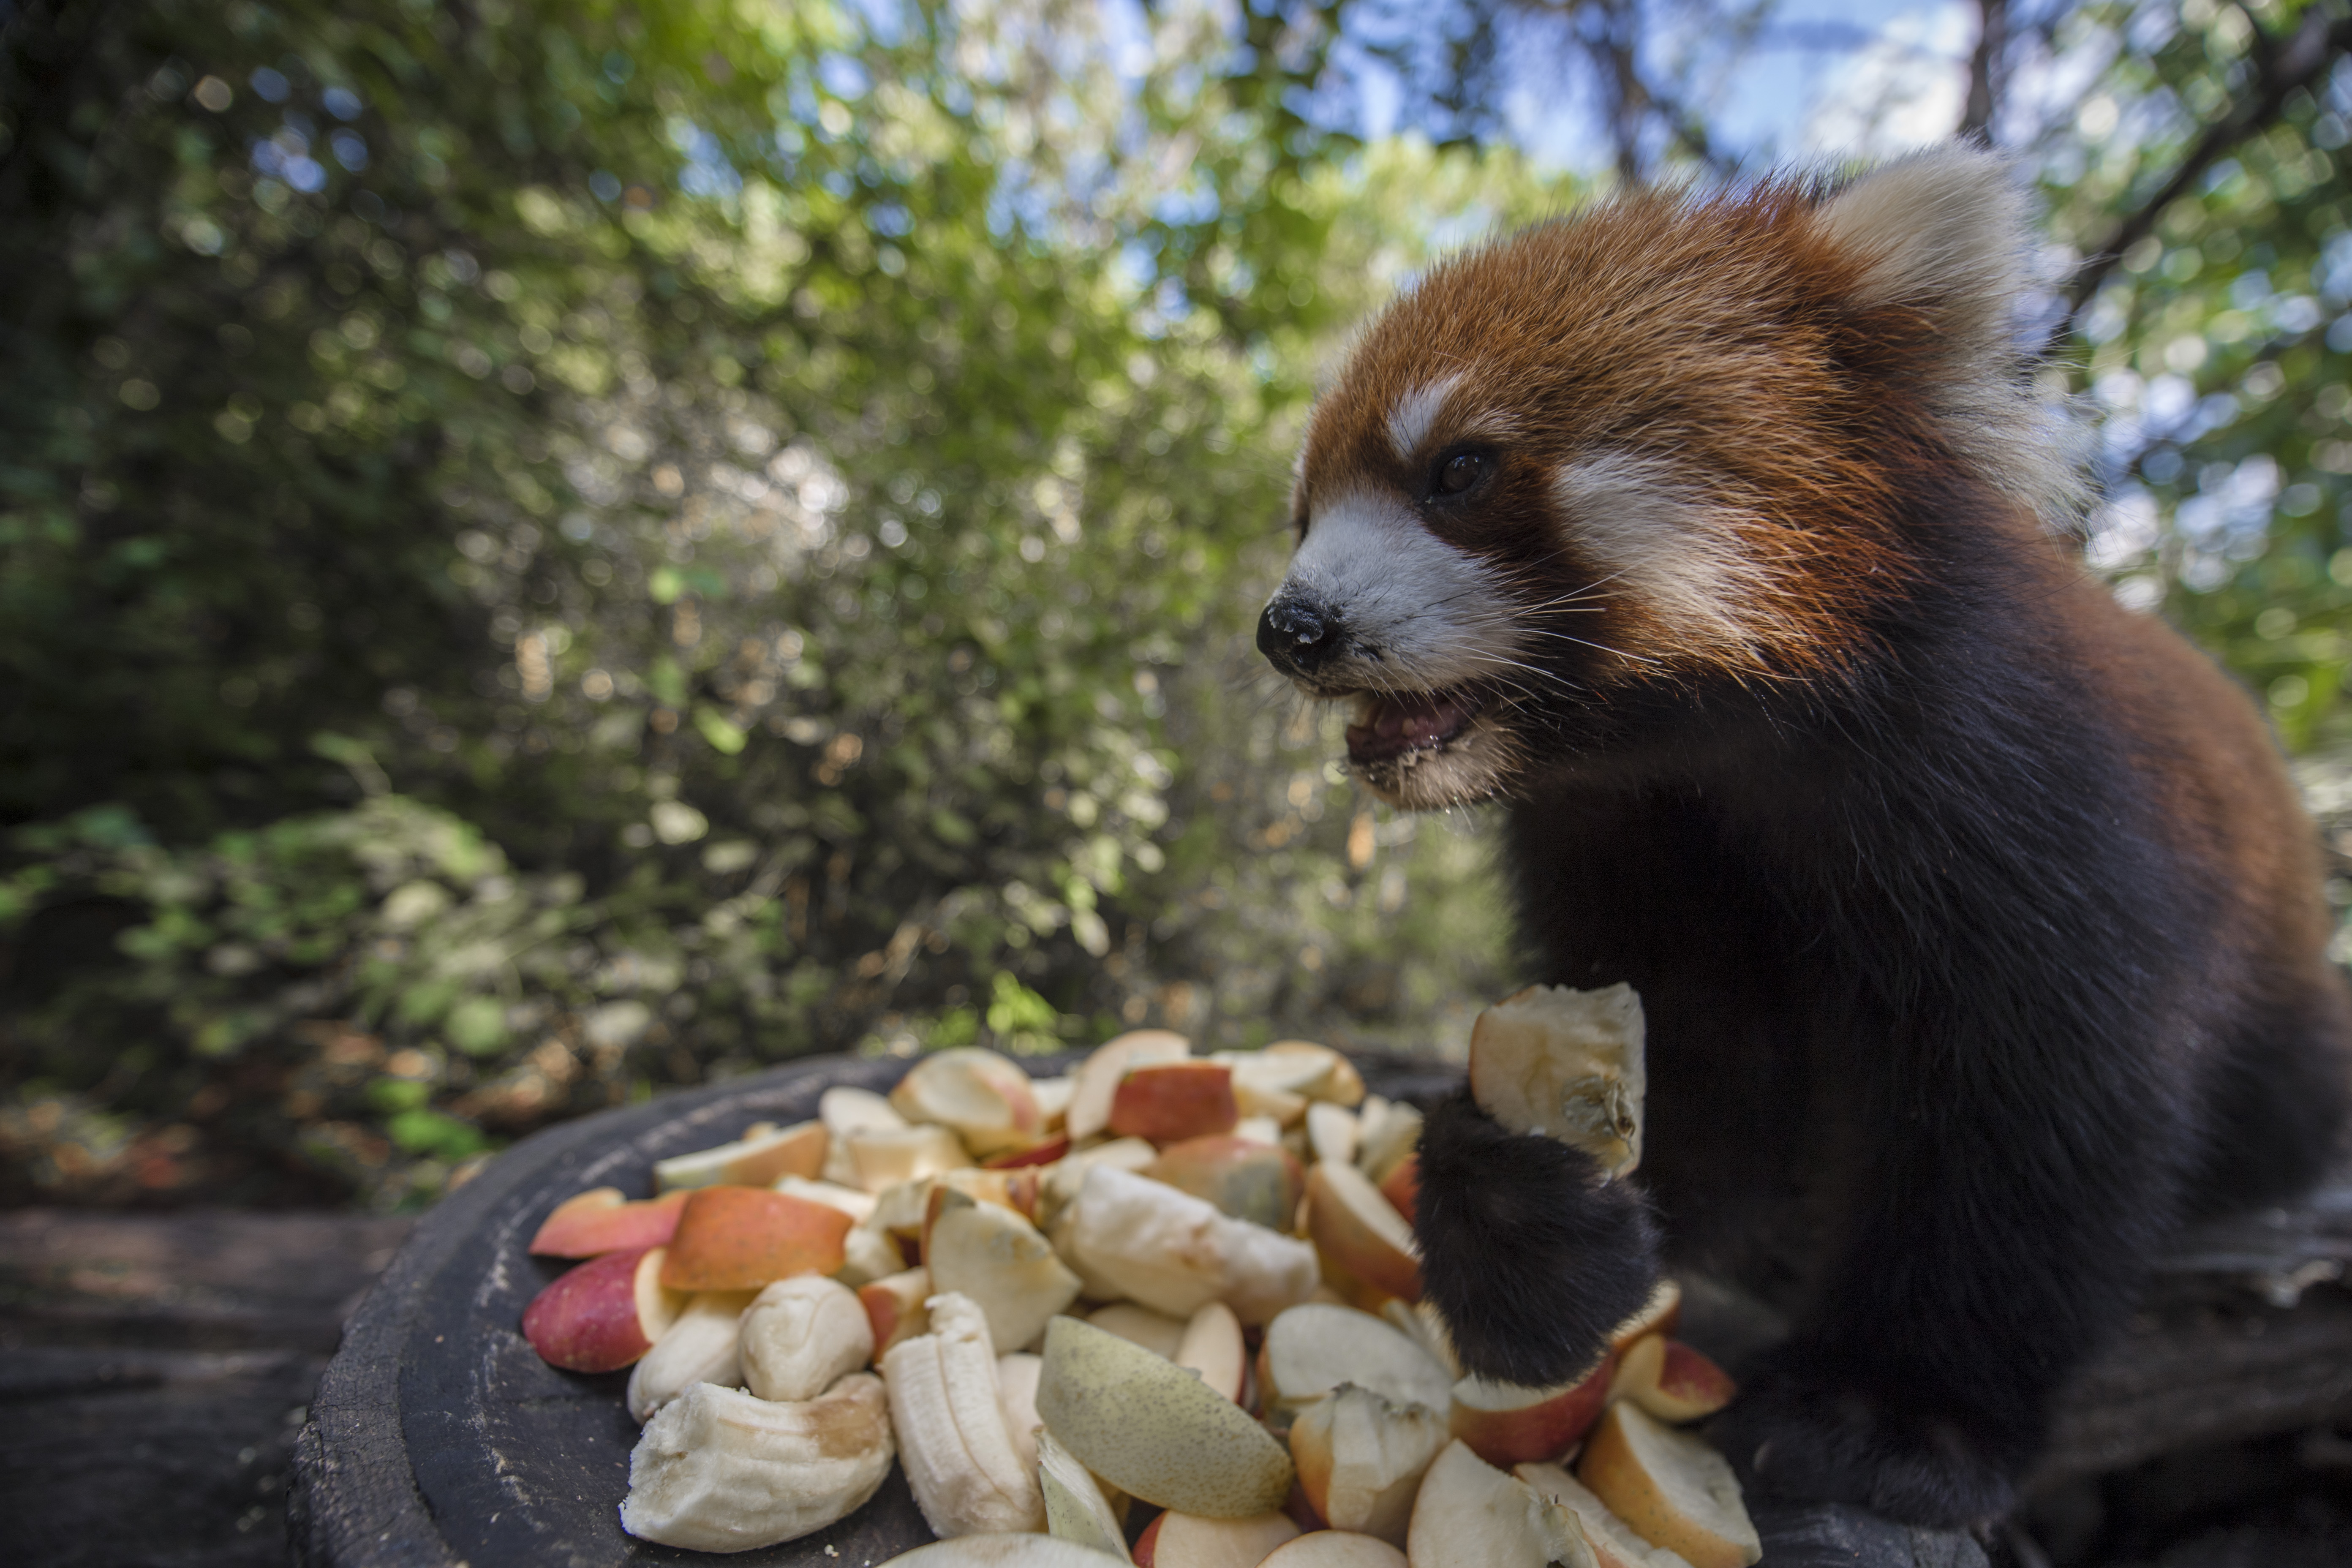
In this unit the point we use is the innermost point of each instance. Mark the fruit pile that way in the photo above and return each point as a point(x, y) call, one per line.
point(1162, 1282)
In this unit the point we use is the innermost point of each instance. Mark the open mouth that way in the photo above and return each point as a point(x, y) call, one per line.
point(1389, 725)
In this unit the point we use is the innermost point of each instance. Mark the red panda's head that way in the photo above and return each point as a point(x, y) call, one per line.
point(1574, 482)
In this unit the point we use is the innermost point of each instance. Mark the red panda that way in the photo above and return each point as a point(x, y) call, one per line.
point(1718, 541)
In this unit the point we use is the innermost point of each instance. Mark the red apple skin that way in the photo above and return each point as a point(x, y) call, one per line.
point(1361, 1253)
point(1146, 1549)
point(1171, 1102)
point(1402, 1187)
point(1671, 1381)
point(1248, 1179)
point(741, 1239)
point(1301, 1508)
point(1044, 1153)
point(1535, 1433)
point(600, 1220)
point(587, 1319)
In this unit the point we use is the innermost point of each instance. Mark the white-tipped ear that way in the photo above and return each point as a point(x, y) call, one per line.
point(1945, 232)
point(1942, 229)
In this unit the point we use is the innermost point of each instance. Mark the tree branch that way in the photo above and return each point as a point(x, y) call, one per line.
point(2281, 69)
point(1985, 68)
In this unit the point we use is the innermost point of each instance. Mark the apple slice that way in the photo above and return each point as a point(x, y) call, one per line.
point(797, 1150)
point(1361, 1458)
point(896, 1307)
point(1213, 1347)
point(1671, 1381)
point(1661, 1314)
point(600, 1220)
point(1360, 1230)
point(1260, 1183)
point(1264, 1130)
point(1419, 1321)
point(886, 1157)
point(1614, 1543)
point(1674, 1490)
point(1402, 1185)
point(1044, 1154)
point(1154, 1429)
point(1012, 1191)
point(740, 1238)
point(984, 1097)
point(1004, 1550)
point(1175, 1253)
point(1471, 1515)
point(1075, 1509)
point(1171, 1102)
point(1507, 1424)
point(704, 1345)
point(845, 1112)
point(999, 1259)
point(1062, 1179)
point(1331, 1132)
point(604, 1314)
point(868, 1253)
point(1053, 1096)
point(1311, 1349)
point(1095, 1083)
point(1303, 1067)
point(1382, 1141)
point(855, 1202)
point(1189, 1540)
point(1256, 1102)
point(1565, 1064)
point(1155, 1331)
point(1335, 1548)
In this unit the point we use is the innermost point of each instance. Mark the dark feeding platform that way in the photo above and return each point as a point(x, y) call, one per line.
point(160, 1370)
point(439, 1437)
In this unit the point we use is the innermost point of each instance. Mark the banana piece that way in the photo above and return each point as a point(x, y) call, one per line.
point(701, 1347)
point(967, 1475)
point(719, 1470)
point(801, 1335)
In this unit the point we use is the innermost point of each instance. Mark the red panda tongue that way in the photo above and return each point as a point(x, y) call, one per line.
point(1398, 724)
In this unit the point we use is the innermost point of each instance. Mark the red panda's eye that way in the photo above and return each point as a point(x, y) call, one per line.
point(1459, 472)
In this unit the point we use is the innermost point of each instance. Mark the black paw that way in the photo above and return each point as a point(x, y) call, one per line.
point(1795, 1436)
point(1530, 1258)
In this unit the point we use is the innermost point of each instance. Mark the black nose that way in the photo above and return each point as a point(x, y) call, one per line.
point(1295, 635)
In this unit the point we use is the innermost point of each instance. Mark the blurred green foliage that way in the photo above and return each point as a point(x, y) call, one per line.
point(548, 550)
point(2217, 347)
point(758, 518)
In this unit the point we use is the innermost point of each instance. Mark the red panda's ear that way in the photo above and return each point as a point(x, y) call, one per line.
point(1942, 231)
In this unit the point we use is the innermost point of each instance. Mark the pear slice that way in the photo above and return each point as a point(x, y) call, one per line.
point(1075, 1509)
point(1155, 1429)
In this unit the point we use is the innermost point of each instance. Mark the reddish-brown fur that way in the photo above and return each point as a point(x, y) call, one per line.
point(1976, 919)
point(1713, 334)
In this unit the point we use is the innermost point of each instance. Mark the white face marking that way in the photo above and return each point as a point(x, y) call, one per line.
point(1418, 613)
point(1415, 412)
point(1678, 556)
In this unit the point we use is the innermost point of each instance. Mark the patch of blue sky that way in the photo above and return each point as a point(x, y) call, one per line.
point(888, 21)
point(706, 171)
point(843, 77)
